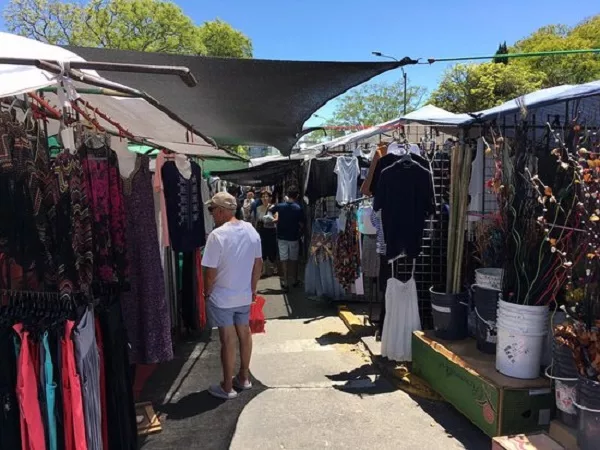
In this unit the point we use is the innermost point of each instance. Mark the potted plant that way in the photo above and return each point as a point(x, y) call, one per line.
point(449, 303)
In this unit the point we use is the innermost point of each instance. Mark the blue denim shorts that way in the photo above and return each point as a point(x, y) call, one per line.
point(227, 317)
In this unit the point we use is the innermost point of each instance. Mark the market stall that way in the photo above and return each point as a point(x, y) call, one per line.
point(528, 291)
point(86, 279)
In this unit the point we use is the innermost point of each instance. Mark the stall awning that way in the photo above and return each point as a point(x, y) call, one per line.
point(138, 116)
point(264, 175)
point(244, 101)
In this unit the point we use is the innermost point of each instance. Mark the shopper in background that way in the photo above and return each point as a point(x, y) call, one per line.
point(290, 221)
point(234, 191)
point(265, 225)
point(232, 266)
point(247, 206)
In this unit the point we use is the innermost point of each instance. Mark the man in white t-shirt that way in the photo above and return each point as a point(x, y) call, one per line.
point(232, 264)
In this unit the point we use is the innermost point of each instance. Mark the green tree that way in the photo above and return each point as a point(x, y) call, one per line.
point(561, 69)
point(473, 87)
point(375, 103)
point(220, 39)
point(143, 25)
point(502, 50)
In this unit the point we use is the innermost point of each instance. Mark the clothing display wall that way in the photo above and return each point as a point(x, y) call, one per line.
point(79, 248)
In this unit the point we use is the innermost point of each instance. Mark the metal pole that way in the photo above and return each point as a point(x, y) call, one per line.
point(405, 82)
point(183, 72)
point(105, 84)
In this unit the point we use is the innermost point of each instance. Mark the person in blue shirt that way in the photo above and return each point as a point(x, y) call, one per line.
point(290, 222)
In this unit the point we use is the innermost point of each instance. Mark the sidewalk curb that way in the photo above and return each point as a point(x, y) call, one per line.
point(399, 376)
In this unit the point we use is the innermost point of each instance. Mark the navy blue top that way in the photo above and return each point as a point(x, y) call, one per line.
point(289, 220)
point(185, 204)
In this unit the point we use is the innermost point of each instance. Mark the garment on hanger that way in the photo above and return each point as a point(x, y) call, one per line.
point(144, 305)
point(208, 220)
point(369, 258)
point(346, 251)
point(160, 191)
point(389, 160)
point(364, 164)
point(405, 197)
point(75, 250)
point(322, 179)
point(401, 318)
point(367, 187)
point(105, 193)
point(184, 207)
point(365, 224)
point(476, 185)
point(88, 368)
point(319, 277)
point(347, 171)
point(10, 434)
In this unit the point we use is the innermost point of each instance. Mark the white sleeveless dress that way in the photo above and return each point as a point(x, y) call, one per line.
point(401, 318)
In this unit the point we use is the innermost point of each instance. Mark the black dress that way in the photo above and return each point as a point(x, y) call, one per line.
point(185, 213)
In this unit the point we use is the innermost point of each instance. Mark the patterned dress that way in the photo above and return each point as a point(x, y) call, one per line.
point(101, 173)
point(73, 225)
point(144, 307)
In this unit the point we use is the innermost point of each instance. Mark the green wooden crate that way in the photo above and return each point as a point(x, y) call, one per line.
point(468, 380)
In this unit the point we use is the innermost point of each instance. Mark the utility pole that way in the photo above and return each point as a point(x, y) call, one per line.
point(404, 77)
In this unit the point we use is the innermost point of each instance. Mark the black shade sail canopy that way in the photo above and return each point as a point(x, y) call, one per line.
point(266, 174)
point(243, 101)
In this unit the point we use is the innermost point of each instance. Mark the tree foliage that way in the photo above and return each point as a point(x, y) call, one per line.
point(502, 50)
point(143, 25)
point(563, 69)
point(375, 103)
point(473, 87)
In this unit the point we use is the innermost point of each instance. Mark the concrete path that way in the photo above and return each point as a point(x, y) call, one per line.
point(315, 387)
point(323, 392)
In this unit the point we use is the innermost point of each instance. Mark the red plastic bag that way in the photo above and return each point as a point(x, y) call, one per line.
point(257, 316)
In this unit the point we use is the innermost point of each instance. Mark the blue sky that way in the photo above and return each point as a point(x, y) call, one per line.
point(349, 30)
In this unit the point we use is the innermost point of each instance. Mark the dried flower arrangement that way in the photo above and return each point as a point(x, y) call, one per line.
point(489, 241)
point(585, 345)
point(550, 224)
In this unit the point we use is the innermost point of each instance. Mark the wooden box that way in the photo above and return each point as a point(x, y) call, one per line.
point(468, 379)
point(538, 441)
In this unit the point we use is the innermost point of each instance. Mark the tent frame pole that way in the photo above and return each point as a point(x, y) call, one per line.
point(182, 72)
point(93, 81)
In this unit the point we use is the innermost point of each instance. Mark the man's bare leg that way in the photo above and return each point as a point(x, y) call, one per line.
point(245, 338)
point(227, 336)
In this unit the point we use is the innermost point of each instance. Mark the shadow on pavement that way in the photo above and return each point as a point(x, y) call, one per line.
point(190, 417)
point(191, 405)
point(455, 424)
point(334, 337)
point(293, 304)
point(362, 381)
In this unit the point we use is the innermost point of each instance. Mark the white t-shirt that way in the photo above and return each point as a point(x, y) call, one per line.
point(347, 170)
point(232, 249)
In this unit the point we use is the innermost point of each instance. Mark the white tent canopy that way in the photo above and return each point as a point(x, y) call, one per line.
point(136, 115)
point(432, 115)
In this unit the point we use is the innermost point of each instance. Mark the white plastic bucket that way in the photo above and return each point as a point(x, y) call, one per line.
point(521, 339)
point(524, 327)
point(489, 278)
point(524, 309)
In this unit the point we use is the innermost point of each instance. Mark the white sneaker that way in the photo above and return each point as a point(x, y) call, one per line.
point(247, 385)
point(216, 390)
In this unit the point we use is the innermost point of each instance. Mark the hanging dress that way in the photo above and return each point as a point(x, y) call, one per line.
point(104, 187)
point(144, 307)
point(401, 318)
